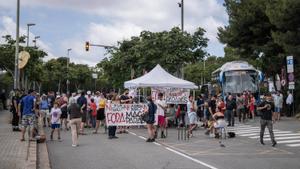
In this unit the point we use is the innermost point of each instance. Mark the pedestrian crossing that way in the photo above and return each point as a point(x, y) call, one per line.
point(288, 138)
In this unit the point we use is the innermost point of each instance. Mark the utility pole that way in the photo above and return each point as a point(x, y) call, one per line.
point(16, 76)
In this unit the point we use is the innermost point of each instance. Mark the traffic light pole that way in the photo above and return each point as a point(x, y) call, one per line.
point(103, 46)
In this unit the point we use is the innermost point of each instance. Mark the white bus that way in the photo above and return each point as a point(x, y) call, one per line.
point(238, 76)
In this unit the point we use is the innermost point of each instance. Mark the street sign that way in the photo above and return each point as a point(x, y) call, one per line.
point(291, 86)
point(94, 75)
point(290, 64)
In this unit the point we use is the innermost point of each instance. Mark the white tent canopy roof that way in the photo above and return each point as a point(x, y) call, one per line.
point(158, 77)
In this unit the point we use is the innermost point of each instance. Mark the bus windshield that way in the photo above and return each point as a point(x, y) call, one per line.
point(239, 81)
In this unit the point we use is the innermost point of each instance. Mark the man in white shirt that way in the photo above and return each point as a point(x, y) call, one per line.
point(289, 103)
point(161, 108)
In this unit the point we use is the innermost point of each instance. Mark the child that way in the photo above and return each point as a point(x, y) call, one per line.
point(93, 108)
point(55, 120)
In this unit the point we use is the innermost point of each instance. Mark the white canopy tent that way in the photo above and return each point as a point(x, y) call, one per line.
point(158, 77)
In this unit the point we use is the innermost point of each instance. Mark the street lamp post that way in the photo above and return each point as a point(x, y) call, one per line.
point(181, 5)
point(28, 25)
point(34, 40)
point(68, 60)
point(17, 47)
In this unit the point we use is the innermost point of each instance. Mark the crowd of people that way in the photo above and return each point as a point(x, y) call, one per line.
point(87, 110)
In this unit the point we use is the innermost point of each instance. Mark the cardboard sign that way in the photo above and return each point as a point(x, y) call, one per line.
point(124, 114)
point(177, 96)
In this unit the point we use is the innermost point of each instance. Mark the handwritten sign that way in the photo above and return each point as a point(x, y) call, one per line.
point(177, 96)
point(124, 114)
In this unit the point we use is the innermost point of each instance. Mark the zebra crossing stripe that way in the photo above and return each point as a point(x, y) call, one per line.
point(275, 133)
point(286, 138)
point(280, 135)
point(293, 145)
point(255, 134)
point(288, 141)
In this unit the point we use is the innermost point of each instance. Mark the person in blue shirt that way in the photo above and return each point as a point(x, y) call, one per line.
point(28, 113)
point(82, 102)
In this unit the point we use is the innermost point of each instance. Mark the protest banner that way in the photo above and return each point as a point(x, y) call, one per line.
point(124, 114)
point(177, 96)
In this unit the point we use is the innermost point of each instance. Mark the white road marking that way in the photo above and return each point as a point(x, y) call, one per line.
point(257, 133)
point(293, 145)
point(283, 138)
point(280, 135)
point(267, 134)
point(191, 158)
point(142, 137)
point(288, 141)
point(157, 144)
point(132, 133)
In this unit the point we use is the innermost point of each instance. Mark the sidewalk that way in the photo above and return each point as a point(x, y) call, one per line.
point(13, 152)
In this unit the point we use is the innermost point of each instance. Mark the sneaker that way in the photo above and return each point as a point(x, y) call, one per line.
point(152, 140)
point(274, 143)
point(261, 142)
point(74, 145)
point(115, 137)
point(148, 140)
point(110, 137)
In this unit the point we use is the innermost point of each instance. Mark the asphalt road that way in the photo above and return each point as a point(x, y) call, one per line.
point(131, 151)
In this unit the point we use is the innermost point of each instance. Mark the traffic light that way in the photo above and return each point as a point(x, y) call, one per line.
point(87, 46)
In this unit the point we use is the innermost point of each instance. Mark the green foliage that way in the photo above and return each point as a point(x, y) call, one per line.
point(171, 49)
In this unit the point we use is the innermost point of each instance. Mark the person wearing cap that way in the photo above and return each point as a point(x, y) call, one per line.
point(44, 111)
point(28, 114)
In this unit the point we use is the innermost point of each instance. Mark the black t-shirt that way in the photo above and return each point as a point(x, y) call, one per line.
point(266, 113)
point(212, 104)
point(230, 105)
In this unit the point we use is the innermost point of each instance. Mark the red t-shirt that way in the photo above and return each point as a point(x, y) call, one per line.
point(93, 108)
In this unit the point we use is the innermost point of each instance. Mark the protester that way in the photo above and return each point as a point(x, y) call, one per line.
point(89, 111)
point(124, 99)
point(161, 108)
point(151, 119)
point(26, 109)
point(100, 112)
point(191, 115)
point(44, 111)
point(14, 110)
point(241, 109)
point(75, 120)
point(278, 102)
point(93, 108)
point(267, 109)
point(63, 102)
point(289, 103)
point(170, 114)
point(112, 129)
point(218, 121)
point(82, 102)
point(252, 106)
point(200, 105)
point(55, 120)
point(230, 108)
point(3, 99)
point(212, 105)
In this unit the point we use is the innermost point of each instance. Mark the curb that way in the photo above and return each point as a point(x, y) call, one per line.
point(43, 155)
point(31, 162)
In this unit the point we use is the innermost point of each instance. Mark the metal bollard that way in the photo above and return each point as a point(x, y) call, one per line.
point(181, 133)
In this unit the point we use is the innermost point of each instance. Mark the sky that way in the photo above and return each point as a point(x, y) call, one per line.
point(64, 24)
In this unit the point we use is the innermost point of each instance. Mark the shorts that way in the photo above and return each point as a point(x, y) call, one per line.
point(100, 114)
point(28, 120)
point(161, 120)
point(277, 109)
point(55, 126)
point(44, 113)
point(192, 117)
point(220, 123)
point(83, 116)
